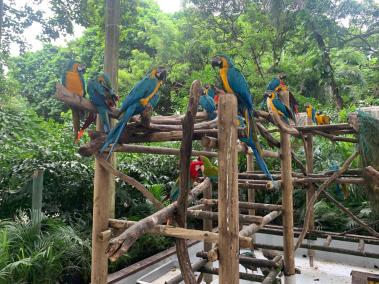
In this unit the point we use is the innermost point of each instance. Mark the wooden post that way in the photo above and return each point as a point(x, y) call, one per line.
point(287, 186)
point(250, 168)
point(208, 226)
point(228, 191)
point(308, 147)
point(37, 199)
point(103, 195)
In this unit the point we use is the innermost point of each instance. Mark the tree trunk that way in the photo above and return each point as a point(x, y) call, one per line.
point(328, 68)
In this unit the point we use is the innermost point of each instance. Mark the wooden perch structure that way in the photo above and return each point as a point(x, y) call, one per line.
point(121, 244)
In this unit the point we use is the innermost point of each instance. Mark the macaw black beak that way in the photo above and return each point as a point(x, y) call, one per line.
point(161, 74)
point(216, 62)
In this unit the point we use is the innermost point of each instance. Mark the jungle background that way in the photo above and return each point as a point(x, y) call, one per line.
point(329, 50)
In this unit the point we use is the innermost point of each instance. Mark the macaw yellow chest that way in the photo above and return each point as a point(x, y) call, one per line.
point(73, 83)
point(224, 79)
point(309, 112)
point(272, 107)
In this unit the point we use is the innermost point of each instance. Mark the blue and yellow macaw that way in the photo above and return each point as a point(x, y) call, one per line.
point(321, 118)
point(235, 83)
point(210, 90)
point(277, 106)
point(103, 97)
point(73, 80)
point(139, 97)
point(311, 112)
point(208, 104)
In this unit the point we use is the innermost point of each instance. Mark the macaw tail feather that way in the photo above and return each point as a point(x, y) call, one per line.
point(103, 113)
point(90, 119)
point(79, 135)
point(261, 163)
point(115, 134)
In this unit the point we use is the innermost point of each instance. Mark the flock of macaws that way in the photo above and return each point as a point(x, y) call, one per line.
point(146, 92)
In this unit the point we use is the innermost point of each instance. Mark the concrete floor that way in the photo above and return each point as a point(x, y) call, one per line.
point(329, 268)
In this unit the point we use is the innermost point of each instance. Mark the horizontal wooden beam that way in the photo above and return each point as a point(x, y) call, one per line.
point(245, 219)
point(243, 276)
point(246, 205)
point(253, 228)
point(177, 232)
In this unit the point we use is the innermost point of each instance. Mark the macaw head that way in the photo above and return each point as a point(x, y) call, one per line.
point(195, 168)
point(221, 61)
point(205, 90)
point(320, 112)
point(274, 83)
point(271, 95)
point(160, 73)
point(105, 82)
point(81, 68)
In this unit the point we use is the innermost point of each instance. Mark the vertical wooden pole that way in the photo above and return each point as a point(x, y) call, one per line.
point(208, 226)
point(250, 168)
point(103, 195)
point(311, 189)
point(228, 221)
point(37, 199)
point(287, 191)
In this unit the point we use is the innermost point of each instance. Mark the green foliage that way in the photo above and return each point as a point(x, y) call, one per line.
point(57, 254)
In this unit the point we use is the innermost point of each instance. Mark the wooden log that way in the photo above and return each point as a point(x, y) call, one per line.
point(129, 148)
point(271, 277)
point(306, 180)
point(131, 181)
point(358, 228)
point(194, 267)
point(176, 119)
point(325, 185)
point(245, 219)
point(208, 226)
point(78, 102)
point(250, 191)
point(335, 138)
point(104, 185)
point(184, 177)
point(240, 275)
point(247, 260)
point(247, 205)
point(361, 246)
point(322, 248)
point(177, 232)
point(209, 142)
point(351, 215)
point(253, 228)
point(121, 244)
point(228, 190)
point(299, 176)
point(327, 127)
point(372, 175)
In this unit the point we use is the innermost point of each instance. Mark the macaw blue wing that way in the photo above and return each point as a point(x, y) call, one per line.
point(314, 115)
point(115, 134)
point(282, 108)
point(208, 104)
point(97, 97)
point(275, 82)
point(141, 90)
point(211, 92)
point(239, 86)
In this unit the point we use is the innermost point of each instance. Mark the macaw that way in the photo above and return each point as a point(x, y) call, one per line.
point(322, 118)
point(277, 106)
point(103, 98)
point(209, 170)
point(195, 168)
point(235, 83)
point(210, 90)
point(311, 112)
point(342, 190)
point(294, 105)
point(73, 80)
point(135, 103)
point(208, 104)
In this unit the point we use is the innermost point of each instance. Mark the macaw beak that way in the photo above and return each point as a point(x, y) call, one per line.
point(82, 68)
point(161, 74)
point(216, 62)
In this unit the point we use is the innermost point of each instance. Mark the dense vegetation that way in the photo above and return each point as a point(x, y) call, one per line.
point(327, 48)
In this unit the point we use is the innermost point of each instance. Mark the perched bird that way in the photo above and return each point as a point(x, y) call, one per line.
point(294, 104)
point(208, 104)
point(195, 169)
point(311, 112)
point(341, 190)
point(103, 97)
point(321, 118)
point(209, 170)
point(210, 90)
point(73, 80)
point(135, 103)
point(235, 83)
point(278, 107)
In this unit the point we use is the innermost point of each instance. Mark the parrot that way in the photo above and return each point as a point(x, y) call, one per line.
point(342, 190)
point(195, 167)
point(208, 169)
point(322, 118)
point(210, 90)
point(103, 97)
point(311, 112)
point(235, 83)
point(135, 103)
point(276, 105)
point(208, 104)
point(73, 80)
